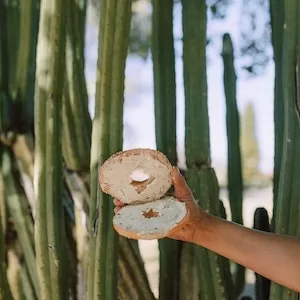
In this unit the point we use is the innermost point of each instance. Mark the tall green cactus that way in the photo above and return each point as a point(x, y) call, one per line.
point(235, 180)
point(234, 167)
point(277, 23)
point(12, 26)
point(21, 219)
point(287, 220)
point(49, 224)
point(5, 99)
point(107, 139)
point(196, 117)
point(25, 73)
point(261, 222)
point(164, 78)
point(5, 293)
point(200, 175)
point(165, 128)
point(18, 63)
point(76, 119)
point(132, 275)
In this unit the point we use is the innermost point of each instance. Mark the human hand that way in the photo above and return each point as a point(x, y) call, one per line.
point(195, 215)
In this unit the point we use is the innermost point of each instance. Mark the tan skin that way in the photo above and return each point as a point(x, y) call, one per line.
point(273, 256)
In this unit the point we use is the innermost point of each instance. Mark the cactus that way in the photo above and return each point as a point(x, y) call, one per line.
point(226, 264)
point(262, 285)
point(76, 118)
point(12, 26)
point(21, 220)
point(287, 216)
point(5, 293)
point(49, 225)
point(196, 116)
point(14, 273)
point(234, 165)
point(131, 270)
point(277, 21)
point(18, 63)
point(5, 99)
point(25, 76)
point(200, 175)
point(114, 34)
point(165, 127)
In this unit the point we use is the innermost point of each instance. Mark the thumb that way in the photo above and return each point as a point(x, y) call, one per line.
point(182, 190)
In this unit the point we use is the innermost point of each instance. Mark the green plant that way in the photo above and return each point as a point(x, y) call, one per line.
point(114, 34)
point(165, 124)
point(49, 238)
point(76, 126)
point(288, 189)
point(5, 292)
point(261, 222)
point(277, 21)
point(200, 175)
point(234, 167)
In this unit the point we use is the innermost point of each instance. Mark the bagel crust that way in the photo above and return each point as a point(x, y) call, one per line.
point(115, 175)
point(150, 220)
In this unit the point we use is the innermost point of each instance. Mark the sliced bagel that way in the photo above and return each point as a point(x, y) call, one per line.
point(136, 176)
point(152, 220)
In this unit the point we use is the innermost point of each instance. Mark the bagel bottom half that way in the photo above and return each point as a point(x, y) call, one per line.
point(152, 220)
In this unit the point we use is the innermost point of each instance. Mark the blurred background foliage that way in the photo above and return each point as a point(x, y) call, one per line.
point(254, 51)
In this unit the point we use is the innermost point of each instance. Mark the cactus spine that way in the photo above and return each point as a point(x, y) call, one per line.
point(165, 127)
point(114, 34)
point(234, 165)
point(49, 226)
point(287, 216)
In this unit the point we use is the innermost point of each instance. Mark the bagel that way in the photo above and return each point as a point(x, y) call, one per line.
point(140, 178)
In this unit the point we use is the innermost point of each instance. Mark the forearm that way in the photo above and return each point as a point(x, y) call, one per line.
point(275, 257)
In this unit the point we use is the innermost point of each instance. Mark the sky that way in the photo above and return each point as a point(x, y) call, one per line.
point(139, 102)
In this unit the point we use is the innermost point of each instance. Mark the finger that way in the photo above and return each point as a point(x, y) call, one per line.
point(116, 209)
point(182, 190)
point(118, 202)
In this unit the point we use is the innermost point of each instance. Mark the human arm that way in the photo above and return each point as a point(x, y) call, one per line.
point(270, 255)
point(273, 256)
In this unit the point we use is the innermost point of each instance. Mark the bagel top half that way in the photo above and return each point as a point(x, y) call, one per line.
point(136, 176)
